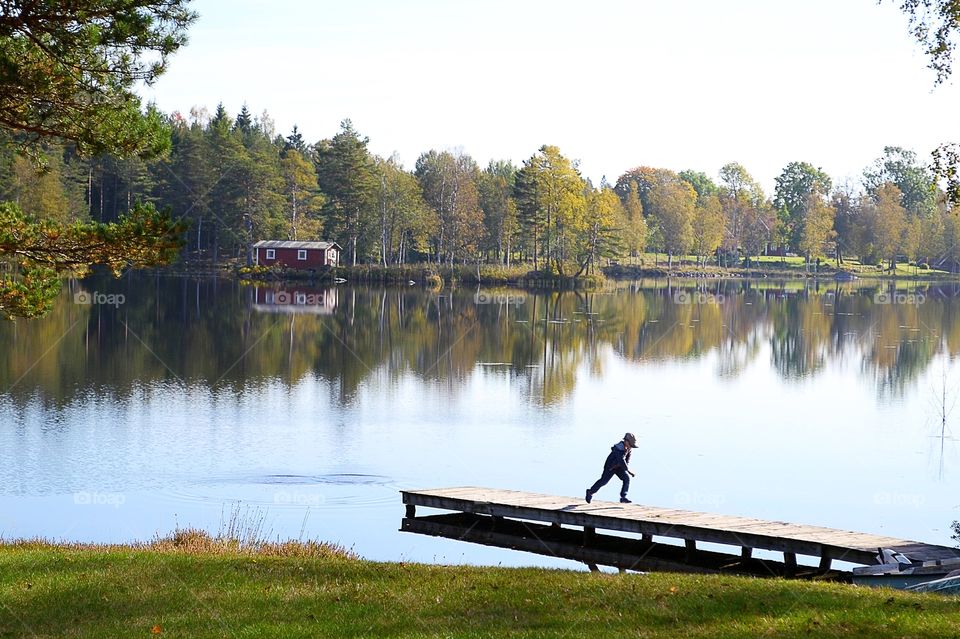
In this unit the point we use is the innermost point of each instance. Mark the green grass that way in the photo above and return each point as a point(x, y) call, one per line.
point(902, 270)
point(690, 263)
point(170, 591)
point(774, 266)
point(776, 259)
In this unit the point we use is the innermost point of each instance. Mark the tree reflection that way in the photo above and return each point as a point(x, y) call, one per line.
point(220, 334)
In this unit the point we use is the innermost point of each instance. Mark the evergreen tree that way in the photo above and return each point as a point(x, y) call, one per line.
point(346, 176)
point(70, 70)
point(244, 121)
point(295, 141)
point(68, 73)
point(261, 192)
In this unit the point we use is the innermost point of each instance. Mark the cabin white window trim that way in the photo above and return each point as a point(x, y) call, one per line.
point(301, 254)
point(271, 254)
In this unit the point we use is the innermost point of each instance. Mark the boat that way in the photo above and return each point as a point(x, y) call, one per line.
point(844, 276)
point(898, 571)
point(949, 585)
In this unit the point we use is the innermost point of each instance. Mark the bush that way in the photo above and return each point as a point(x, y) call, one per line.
point(434, 281)
point(253, 269)
point(494, 274)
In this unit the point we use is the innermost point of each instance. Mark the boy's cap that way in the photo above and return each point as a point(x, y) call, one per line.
point(630, 439)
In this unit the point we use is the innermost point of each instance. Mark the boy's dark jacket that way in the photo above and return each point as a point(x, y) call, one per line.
point(619, 457)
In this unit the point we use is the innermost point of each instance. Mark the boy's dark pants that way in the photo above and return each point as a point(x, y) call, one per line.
point(620, 472)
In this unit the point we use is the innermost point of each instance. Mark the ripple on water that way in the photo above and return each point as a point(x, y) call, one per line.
point(282, 490)
point(339, 479)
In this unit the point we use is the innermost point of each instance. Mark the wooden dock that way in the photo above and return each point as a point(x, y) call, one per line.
point(498, 517)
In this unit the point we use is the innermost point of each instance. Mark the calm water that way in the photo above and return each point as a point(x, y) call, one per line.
point(147, 402)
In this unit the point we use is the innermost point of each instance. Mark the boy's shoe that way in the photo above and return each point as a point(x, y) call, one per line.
point(588, 496)
point(624, 500)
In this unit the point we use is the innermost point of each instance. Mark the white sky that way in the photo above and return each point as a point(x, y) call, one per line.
point(613, 83)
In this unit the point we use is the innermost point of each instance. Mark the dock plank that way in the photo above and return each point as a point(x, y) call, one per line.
point(817, 541)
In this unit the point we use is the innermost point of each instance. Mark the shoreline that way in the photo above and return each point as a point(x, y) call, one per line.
point(432, 276)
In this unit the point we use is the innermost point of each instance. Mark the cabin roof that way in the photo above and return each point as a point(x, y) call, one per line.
point(287, 244)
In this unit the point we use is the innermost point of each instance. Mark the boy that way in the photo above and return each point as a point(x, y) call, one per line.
point(616, 464)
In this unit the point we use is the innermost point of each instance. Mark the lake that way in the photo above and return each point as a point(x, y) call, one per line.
point(149, 402)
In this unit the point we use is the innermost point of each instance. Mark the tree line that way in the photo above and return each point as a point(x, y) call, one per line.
point(234, 180)
point(68, 100)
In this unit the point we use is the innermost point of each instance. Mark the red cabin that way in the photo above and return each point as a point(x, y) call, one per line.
point(298, 255)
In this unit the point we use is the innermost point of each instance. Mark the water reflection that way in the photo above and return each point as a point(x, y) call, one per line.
point(300, 299)
point(220, 334)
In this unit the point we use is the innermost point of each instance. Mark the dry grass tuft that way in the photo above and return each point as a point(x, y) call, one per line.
point(192, 541)
point(242, 532)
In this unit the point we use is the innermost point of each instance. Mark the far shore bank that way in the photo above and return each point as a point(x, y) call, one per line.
point(434, 276)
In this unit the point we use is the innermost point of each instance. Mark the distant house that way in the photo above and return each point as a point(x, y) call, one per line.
point(302, 255)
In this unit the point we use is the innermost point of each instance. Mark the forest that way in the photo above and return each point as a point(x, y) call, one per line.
point(233, 180)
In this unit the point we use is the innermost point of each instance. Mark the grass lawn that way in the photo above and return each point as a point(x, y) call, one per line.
point(903, 270)
point(785, 261)
point(150, 591)
point(690, 261)
point(775, 263)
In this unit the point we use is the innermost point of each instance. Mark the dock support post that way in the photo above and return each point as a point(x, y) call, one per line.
point(825, 562)
point(647, 538)
point(411, 510)
point(588, 534)
point(593, 567)
point(746, 553)
point(790, 561)
point(691, 545)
